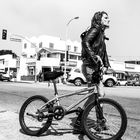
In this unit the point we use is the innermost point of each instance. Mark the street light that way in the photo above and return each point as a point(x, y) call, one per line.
point(65, 68)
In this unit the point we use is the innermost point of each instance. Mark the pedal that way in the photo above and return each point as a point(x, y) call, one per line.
point(79, 110)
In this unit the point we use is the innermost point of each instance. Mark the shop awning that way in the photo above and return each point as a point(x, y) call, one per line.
point(119, 71)
point(132, 73)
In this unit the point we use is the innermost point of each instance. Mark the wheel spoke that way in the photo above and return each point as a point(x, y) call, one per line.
point(31, 120)
point(114, 119)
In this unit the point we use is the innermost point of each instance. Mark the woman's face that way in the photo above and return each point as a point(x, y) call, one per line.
point(105, 20)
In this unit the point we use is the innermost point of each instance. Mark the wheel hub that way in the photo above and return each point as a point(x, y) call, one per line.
point(59, 112)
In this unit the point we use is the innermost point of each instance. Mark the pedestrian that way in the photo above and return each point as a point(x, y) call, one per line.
point(93, 55)
point(40, 76)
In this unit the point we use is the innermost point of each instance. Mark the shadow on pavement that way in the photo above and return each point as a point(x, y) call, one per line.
point(52, 131)
point(81, 136)
point(60, 132)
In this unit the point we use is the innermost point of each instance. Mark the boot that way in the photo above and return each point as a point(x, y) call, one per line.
point(77, 125)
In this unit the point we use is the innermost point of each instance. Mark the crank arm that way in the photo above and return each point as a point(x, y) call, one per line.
point(32, 115)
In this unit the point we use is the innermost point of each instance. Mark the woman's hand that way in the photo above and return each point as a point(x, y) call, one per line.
point(98, 59)
point(104, 70)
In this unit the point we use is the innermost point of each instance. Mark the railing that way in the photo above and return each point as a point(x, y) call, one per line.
point(28, 78)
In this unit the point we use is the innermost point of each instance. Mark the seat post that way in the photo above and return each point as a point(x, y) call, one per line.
point(56, 92)
point(55, 88)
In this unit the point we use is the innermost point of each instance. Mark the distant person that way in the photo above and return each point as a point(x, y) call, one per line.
point(40, 76)
point(94, 55)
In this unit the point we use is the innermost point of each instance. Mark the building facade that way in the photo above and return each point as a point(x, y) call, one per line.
point(47, 53)
point(123, 70)
point(9, 64)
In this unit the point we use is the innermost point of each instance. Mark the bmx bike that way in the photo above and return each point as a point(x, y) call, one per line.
point(38, 112)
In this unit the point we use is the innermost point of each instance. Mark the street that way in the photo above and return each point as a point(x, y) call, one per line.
point(12, 96)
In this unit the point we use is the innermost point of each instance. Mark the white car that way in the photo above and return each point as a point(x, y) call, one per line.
point(4, 76)
point(75, 76)
point(122, 82)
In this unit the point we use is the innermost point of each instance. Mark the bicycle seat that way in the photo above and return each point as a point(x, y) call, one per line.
point(52, 75)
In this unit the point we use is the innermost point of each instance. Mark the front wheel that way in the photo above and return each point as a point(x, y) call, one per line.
point(114, 125)
point(109, 83)
point(32, 121)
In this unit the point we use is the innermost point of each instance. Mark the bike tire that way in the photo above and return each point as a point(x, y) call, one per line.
point(89, 120)
point(43, 125)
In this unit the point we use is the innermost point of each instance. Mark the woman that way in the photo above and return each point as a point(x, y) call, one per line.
point(94, 55)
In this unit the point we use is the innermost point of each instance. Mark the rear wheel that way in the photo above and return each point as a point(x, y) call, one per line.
point(32, 121)
point(114, 125)
point(78, 82)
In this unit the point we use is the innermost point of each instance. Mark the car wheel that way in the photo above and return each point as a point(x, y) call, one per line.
point(109, 83)
point(118, 84)
point(77, 82)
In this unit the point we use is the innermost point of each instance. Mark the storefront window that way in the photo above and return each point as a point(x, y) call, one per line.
point(31, 71)
point(25, 45)
point(68, 47)
point(73, 57)
point(75, 48)
point(51, 45)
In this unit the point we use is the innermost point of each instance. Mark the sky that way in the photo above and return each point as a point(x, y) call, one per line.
point(49, 17)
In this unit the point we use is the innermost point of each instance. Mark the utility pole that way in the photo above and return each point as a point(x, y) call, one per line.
point(66, 49)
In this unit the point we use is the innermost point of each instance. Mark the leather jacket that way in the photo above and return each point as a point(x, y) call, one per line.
point(94, 44)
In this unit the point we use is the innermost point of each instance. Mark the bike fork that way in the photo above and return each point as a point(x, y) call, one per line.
point(98, 109)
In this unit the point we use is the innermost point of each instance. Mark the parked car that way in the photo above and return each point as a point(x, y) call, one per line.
point(75, 76)
point(137, 83)
point(4, 76)
point(133, 83)
point(130, 83)
point(121, 82)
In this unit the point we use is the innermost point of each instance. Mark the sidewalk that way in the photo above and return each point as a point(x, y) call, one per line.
point(10, 129)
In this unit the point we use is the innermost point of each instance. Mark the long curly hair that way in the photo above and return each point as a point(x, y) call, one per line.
point(96, 20)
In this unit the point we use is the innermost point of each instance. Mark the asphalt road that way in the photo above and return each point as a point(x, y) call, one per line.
point(12, 96)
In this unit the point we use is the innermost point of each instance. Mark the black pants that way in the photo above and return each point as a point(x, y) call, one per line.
point(87, 72)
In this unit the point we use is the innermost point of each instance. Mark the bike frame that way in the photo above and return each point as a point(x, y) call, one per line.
point(57, 98)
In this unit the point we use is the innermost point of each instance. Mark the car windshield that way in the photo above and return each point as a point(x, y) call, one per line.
point(77, 70)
